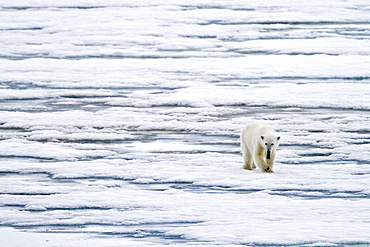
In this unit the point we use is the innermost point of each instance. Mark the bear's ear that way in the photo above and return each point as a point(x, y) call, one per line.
point(278, 138)
point(262, 137)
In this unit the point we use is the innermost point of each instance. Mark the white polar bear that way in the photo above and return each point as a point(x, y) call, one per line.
point(259, 143)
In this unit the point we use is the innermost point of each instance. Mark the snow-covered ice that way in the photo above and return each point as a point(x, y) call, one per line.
point(120, 122)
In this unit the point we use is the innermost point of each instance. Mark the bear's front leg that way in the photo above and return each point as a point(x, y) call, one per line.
point(270, 163)
point(268, 169)
point(261, 163)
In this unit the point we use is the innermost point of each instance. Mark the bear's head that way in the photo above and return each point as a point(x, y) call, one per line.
point(270, 142)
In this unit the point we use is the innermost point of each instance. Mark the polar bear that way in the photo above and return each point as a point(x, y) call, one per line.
point(259, 143)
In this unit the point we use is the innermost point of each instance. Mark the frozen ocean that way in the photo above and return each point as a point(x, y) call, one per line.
point(120, 122)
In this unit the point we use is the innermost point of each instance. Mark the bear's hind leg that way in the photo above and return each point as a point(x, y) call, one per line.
point(248, 160)
point(249, 165)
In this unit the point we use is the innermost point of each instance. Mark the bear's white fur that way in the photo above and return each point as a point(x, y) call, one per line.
point(259, 143)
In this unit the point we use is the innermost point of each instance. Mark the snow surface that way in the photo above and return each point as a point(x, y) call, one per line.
point(120, 122)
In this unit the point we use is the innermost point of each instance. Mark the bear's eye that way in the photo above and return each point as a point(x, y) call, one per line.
point(266, 143)
point(272, 144)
